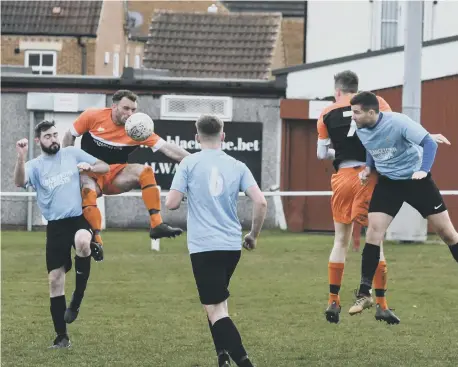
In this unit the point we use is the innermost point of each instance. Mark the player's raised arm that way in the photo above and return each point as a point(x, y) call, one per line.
point(173, 151)
point(81, 125)
point(19, 169)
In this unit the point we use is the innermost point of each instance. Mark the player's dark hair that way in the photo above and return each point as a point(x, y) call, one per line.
point(209, 125)
point(367, 101)
point(347, 81)
point(120, 94)
point(43, 126)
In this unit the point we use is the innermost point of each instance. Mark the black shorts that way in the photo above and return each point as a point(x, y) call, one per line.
point(423, 195)
point(213, 271)
point(60, 238)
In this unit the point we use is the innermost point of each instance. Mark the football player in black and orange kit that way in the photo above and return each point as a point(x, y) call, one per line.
point(350, 200)
point(104, 137)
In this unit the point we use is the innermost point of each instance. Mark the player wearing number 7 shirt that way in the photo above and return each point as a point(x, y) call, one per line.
point(350, 200)
point(104, 137)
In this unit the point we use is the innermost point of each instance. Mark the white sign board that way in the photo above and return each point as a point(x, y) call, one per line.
point(65, 102)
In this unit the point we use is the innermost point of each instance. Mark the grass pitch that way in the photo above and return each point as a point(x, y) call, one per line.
point(141, 308)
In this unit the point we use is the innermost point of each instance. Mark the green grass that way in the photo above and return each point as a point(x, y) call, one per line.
point(141, 308)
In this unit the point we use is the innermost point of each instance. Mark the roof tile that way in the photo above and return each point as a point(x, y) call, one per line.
point(212, 45)
point(79, 18)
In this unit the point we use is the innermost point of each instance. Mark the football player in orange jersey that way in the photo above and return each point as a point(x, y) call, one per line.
point(104, 137)
point(350, 200)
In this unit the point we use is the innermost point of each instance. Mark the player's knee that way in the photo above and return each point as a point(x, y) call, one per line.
point(341, 240)
point(136, 170)
point(56, 279)
point(447, 234)
point(216, 312)
point(88, 185)
point(375, 234)
point(83, 243)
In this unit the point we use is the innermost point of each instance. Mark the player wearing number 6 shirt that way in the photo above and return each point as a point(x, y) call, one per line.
point(212, 181)
point(350, 200)
point(104, 137)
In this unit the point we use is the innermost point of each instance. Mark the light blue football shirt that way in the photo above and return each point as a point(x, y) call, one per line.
point(56, 180)
point(212, 181)
point(394, 143)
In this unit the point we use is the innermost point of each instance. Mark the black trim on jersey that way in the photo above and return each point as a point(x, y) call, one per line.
point(346, 147)
point(110, 154)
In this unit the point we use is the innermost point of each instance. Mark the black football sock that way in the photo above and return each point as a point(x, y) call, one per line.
point(218, 347)
point(369, 263)
point(82, 270)
point(454, 251)
point(57, 308)
point(227, 334)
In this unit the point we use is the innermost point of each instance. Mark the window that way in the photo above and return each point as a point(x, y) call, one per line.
point(126, 61)
point(137, 62)
point(389, 24)
point(392, 19)
point(116, 64)
point(42, 62)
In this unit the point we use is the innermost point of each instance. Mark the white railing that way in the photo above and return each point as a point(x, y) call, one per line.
point(155, 244)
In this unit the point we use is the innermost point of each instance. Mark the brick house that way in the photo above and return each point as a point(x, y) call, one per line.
point(64, 37)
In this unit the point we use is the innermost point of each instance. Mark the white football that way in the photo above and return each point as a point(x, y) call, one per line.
point(139, 126)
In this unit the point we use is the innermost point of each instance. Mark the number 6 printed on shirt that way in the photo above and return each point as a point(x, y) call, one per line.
point(216, 184)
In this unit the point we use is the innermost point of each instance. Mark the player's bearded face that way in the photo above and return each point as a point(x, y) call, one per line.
point(49, 141)
point(49, 147)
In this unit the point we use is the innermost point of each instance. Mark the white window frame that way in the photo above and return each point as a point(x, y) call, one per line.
point(41, 68)
point(116, 64)
point(138, 62)
point(377, 24)
point(126, 60)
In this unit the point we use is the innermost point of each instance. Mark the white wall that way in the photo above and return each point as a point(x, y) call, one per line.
point(330, 34)
point(342, 28)
point(377, 72)
point(444, 18)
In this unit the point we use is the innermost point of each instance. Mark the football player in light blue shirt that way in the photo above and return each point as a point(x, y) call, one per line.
point(55, 177)
point(402, 152)
point(212, 181)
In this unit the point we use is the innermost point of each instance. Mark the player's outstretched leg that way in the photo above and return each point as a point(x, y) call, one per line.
point(90, 210)
point(152, 199)
point(56, 279)
point(134, 175)
point(444, 228)
point(82, 270)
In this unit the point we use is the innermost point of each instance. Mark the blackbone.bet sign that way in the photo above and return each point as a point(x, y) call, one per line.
point(243, 142)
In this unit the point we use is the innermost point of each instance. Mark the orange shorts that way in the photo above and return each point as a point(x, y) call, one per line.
point(105, 182)
point(350, 200)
